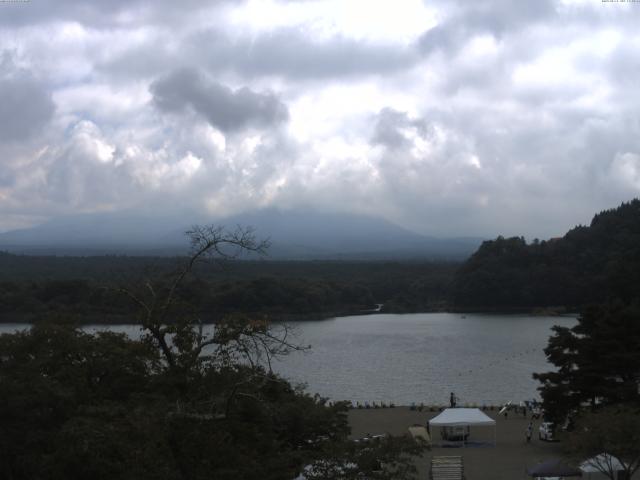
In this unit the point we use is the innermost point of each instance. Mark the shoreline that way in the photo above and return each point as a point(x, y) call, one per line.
point(94, 318)
point(507, 460)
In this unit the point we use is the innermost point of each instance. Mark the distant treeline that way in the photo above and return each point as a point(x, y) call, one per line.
point(590, 264)
point(31, 287)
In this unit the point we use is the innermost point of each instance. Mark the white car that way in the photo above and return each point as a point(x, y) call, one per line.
point(545, 432)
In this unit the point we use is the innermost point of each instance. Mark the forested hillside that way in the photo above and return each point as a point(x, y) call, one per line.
point(588, 265)
point(31, 286)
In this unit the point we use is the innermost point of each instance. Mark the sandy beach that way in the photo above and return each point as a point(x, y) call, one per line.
point(506, 461)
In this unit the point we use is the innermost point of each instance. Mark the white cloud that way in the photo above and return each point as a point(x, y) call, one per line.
point(401, 21)
point(449, 117)
point(625, 170)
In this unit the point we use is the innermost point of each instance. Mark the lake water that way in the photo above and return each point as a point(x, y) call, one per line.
point(484, 359)
point(423, 357)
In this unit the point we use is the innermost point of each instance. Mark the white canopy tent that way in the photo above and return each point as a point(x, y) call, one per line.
point(597, 466)
point(463, 417)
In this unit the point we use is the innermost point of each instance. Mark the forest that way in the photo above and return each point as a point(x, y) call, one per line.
point(176, 403)
point(588, 265)
point(88, 286)
point(106, 406)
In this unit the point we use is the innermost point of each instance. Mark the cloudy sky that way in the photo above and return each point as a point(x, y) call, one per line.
point(447, 117)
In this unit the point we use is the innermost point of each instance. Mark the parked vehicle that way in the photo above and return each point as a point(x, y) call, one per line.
point(545, 432)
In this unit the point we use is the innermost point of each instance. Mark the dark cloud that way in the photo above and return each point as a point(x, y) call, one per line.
point(41, 11)
point(293, 54)
point(495, 17)
point(287, 52)
point(501, 16)
point(25, 104)
point(624, 69)
point(223, 107)
point(389, 125)
point(101, 12)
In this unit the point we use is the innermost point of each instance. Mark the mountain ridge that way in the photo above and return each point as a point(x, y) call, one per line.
point(294, 234)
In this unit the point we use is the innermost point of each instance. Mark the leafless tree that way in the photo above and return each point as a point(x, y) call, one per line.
point(176, 327)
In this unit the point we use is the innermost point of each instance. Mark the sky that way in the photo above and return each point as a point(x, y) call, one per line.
point(450, 118)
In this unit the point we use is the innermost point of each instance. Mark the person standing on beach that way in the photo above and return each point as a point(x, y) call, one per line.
point(529, 432)
point(452, 400)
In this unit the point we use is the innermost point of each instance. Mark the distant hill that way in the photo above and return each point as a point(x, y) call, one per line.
point(295, 234)
point(94, 234)
point(588, 265)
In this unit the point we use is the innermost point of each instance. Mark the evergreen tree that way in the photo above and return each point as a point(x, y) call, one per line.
point(590, 264)
point(597, 360)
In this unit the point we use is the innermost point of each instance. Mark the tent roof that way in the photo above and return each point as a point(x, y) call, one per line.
point(461, 416)
point(603, 460)
point(553, 468)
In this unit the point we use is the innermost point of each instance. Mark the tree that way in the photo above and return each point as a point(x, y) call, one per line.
point(589, 264)
point(598, 362)
point(231, 371)
point(71, 404)
point(163, 312)
point(611, 437)
point(176, 404)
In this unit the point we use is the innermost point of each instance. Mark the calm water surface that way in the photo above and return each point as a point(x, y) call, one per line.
point(415, 357)
point(423, 357)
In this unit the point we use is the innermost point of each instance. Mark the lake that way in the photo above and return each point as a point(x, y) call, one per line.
point(423, 357)
point(484, 359)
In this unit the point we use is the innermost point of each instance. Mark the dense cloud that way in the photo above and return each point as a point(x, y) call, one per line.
point(449, 117)
point(291, 53)
point(25, 103)
point(287, 52)
point(223, 108)
point(100, 13)
point(499, 18)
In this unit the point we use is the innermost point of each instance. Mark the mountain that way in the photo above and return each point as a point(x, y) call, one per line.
point(95, 234)
point(590, 264)
point(294, 234)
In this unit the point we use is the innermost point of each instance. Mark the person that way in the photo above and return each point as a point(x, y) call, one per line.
point(529, 432)
point(452, 400)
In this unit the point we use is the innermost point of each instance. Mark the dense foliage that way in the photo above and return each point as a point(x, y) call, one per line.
point(597, 360)
point(74, 405)
point(263, 294)
point(609, 438)
point(594, 393)
point(587, 265)
point(33, 286)
point(176, 404)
